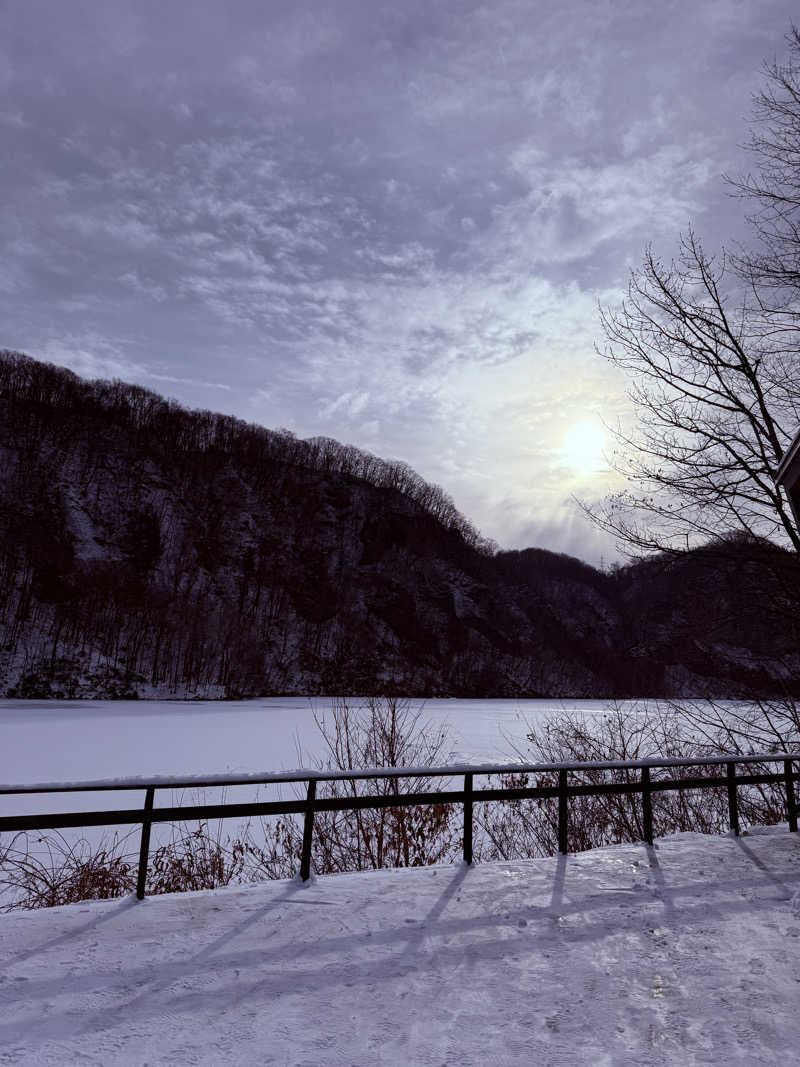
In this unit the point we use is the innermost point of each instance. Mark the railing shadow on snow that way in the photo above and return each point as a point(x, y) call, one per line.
point(468, 796)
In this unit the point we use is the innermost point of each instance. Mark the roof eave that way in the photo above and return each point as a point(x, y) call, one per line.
point(789, 468)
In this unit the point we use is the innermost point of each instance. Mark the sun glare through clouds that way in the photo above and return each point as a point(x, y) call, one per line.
point(584, 447)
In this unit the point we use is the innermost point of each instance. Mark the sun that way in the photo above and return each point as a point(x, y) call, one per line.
point(583, 448)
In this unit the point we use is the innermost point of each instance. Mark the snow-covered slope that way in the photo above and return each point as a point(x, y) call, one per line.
point(150, 551)
point(687, 953)
point(147, 550)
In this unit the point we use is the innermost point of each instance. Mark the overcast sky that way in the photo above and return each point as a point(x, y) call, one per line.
point(388, 224)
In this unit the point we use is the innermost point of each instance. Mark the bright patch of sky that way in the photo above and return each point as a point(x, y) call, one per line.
point(387, 224)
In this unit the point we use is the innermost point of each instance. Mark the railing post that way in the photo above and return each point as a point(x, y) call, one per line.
point(733, 804)
point(308, 830)
point(144, 849)
point(647, 806)
point(791, 804)
point(562, 812)
point(467, 818)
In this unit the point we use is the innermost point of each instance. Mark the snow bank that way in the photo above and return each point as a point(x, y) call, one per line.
point(686, 953)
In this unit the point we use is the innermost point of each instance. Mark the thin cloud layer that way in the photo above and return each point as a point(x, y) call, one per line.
point(387, 225)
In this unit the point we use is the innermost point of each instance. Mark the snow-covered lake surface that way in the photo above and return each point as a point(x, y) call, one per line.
point(59, 740)
point(686, 953)
point(81, 740)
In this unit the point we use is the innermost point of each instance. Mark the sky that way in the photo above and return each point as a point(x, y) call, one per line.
point(387, 224)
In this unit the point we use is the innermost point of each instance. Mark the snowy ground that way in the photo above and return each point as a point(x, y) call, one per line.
point(686, 953)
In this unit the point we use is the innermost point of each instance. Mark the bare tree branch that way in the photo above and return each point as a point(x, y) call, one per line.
point(711, 347)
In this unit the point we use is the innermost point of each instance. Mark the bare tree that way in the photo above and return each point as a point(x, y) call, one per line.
point(711, 346)
point(716, 409)
point(772, 188)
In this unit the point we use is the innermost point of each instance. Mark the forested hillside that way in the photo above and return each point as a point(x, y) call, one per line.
point(147, 549)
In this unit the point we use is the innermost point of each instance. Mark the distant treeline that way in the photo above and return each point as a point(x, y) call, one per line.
point(152, 550)
point(46, 387)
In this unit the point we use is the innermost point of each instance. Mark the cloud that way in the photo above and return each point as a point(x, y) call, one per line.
point(352, 404)
point(186, 381)
point(91, 356)
point(12, 118)
point(389, 225)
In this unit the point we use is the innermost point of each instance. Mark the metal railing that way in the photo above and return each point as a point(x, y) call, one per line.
point(468, 796)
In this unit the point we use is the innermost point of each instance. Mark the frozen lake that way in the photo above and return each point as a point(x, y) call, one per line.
point(63, 740)
point(68, 740)
point(57, 740)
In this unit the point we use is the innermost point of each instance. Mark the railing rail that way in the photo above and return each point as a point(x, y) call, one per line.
point(468, 796)
point(446, 770)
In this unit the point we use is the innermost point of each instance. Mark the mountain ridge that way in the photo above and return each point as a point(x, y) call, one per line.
point(149, 550)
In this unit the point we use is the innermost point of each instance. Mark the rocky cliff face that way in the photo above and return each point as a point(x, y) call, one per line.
point(145, 549)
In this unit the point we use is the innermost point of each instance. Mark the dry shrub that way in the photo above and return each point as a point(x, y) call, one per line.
point(381, 732)
point(48, 870)
point(45, 871)
point(745, 728)
point(195, 859)
point(648, 731)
